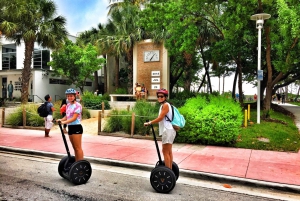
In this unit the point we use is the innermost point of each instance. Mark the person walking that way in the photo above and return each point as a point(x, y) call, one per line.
point(278, 96)
point(166, 129)
point(63, 108)
point(49, 118)
point(283, 98)
point(10, 89)
point(72, 119)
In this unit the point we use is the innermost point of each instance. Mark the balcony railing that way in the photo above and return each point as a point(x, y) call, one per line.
point(115, 1)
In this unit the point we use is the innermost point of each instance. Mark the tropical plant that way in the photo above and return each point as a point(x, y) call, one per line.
point(31, 21)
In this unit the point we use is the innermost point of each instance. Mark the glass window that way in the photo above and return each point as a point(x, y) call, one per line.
point(9, 59)
point(40, 59)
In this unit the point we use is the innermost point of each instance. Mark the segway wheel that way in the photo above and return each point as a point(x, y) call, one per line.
point(61, 165)
point(175, 168)
point(80, 172)
point(162, 179)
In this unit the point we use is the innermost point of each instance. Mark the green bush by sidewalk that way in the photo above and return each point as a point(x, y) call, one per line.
point(120, 120)
point(32, 117)
point(214, 120)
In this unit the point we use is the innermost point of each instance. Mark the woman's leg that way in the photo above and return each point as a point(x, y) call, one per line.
point(168, 155)
point(76, 143)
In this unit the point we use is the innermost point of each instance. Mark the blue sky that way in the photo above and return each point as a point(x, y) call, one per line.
point(82, 15)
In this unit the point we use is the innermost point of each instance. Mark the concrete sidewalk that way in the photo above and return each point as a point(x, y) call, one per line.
point(263, 168)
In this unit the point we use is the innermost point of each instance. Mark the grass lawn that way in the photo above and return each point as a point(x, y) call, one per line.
point(283, 135)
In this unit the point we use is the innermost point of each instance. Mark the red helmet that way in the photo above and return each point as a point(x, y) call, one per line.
point(162, 91)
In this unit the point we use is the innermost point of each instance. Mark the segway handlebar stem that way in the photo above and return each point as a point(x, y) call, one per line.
point(63, 136)
point(156, 144)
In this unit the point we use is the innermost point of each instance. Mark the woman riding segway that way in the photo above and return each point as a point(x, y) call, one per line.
point(72, 119)
point(164, 184)
point(166, 129)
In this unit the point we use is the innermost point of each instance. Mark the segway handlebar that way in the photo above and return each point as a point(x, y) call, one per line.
point(155, 140)
point(63, 136)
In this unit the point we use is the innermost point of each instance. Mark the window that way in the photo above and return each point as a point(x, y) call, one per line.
point(9, 59)
point(40, 59)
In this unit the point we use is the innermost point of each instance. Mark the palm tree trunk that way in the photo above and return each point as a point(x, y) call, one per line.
point(105, 76)
point(26, 72)
point(129, 56)
point(117, 72)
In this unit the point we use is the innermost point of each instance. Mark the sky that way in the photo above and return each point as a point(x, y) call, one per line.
point(82, 15)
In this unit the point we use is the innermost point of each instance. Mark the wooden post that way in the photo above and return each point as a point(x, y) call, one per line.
point(128, 107)
point(245, 124)
point(102, 109)
point(132, 123)
point(3, 116)
point(248, 111)
point(24, 117)
point(99, 122)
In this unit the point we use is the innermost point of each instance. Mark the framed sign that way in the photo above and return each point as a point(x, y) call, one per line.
point(155, 79)
point(260, 74)
point(155, 86)
point(155, 73)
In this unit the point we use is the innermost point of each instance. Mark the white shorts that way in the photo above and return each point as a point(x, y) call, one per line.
point(48, 122)
point(168, 136)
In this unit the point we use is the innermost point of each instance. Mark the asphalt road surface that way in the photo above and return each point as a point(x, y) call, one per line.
point(25, 177)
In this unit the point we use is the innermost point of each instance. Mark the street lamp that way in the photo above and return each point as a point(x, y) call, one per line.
point(259, 18)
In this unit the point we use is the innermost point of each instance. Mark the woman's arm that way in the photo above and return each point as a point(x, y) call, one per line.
point(64, 121)
point(163, 113)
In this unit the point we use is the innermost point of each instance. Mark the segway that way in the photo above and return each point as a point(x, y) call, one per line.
point(162, 178)
point(78, 172)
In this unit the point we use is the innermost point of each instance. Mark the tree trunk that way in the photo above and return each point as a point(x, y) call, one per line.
point(129, 56)
point(268, 98)
point(117, 72)
point(234, 83)
point(105, 76)
point(240, 81)
point(26, 72)
point(96, 81)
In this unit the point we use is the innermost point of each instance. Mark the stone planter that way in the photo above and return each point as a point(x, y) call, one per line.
point(94, 113)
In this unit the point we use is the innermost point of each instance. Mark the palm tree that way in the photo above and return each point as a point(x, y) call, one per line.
point(122, 33)
point(32, 21)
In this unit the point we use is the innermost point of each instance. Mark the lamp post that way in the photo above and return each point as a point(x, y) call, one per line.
point(259, 18)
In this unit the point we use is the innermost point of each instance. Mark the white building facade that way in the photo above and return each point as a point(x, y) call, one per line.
point(41, 81)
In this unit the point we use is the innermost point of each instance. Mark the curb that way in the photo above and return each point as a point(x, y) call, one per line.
point(183, 172)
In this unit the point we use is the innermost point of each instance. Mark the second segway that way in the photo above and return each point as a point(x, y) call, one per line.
point(162, 178)
point(78, 172)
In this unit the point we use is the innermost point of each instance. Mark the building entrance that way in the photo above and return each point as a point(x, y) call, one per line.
point(4, 87)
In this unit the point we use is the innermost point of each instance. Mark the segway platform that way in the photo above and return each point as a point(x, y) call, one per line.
point(162, 178)
point(78, 172)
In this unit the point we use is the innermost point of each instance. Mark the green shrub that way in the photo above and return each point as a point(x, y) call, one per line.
point(120, 120)
point(122, 91)
point(90, 101)
point(114, 124)
point(212, 120)
point(144, 111)
point(32, 117)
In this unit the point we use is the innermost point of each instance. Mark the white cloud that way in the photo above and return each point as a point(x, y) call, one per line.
point(81, 18)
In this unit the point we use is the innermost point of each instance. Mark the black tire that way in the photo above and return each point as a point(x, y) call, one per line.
point(175, 168)
point(80, 172)
point(162, 179)
point(61, 165)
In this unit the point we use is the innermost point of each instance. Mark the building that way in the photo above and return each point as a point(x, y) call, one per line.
point(41, 82)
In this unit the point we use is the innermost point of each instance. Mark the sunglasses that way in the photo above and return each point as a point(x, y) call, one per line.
point(160, 96)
